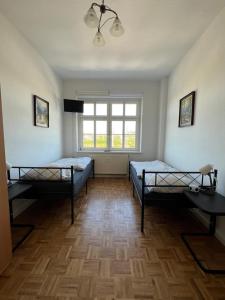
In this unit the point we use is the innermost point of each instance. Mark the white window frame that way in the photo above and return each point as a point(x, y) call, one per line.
point(109, 118)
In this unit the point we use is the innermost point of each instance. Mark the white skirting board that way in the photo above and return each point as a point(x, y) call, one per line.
point(111, 164)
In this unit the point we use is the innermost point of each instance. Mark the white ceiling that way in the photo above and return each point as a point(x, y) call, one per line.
point(157, 34)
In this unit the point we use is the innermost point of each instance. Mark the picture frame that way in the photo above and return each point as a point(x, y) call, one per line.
point(186, 110)
point(41, 112)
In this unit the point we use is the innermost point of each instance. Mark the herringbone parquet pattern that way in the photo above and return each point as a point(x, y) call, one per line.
point(104, 255)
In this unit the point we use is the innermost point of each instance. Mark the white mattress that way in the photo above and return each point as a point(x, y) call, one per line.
point(163, 178)
point(79, 164)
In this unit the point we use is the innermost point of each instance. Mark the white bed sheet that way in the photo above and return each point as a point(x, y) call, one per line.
point(79, 164)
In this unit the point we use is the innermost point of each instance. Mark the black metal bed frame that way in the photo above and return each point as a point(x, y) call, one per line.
point(144, 196)
point(52, 180)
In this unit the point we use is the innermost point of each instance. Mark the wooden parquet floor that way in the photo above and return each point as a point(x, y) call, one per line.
point(104, 256)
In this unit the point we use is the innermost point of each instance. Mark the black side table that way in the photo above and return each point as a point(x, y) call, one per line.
point(15, 191)
point(213, 205)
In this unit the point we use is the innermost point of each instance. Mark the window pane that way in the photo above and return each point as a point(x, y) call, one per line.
point(101, 141)
point(101, 134)
point(117, 127)
point(117, 141)
point(88, 109)
point(88, 141)
point(130, 141)
point(101, 109)
point(130, 109)
point(130, 127)
point(101, 127)
point(117, 109)
point(88, 127)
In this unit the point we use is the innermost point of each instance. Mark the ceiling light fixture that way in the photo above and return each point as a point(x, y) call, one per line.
point(91, 20)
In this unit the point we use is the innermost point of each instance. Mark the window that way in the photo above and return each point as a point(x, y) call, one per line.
point(110, 125)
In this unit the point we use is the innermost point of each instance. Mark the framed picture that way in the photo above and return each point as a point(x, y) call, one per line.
point(186, 111)
point(41, 112)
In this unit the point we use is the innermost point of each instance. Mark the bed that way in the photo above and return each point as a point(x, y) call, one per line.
point(158, 184)
point(62, 178)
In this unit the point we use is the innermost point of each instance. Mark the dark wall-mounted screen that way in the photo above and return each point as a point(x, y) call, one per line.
point(73, 105)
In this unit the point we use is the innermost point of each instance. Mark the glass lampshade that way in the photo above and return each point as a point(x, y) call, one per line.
point(117, 28)
point(91, 19)
point(99, 40)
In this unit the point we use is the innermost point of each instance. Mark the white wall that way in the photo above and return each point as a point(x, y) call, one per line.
point(23, 73)
point(151, 95)
point(162, 117)
point(202, 70)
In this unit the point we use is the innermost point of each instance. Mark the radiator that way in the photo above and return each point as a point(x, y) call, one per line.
point(111, 164)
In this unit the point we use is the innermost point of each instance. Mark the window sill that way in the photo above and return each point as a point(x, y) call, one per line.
point(109, 152)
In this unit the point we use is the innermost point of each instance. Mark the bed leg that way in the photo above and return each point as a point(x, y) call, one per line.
point(143, 201)
point(72, 195)
point(72, 210)
point(86, 187)
point(133, 190)
point(93, 167)
point(142, 214)
point(129, 170)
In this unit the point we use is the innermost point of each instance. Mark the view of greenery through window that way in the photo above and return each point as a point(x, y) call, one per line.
point(101, 141)
point(116, 132)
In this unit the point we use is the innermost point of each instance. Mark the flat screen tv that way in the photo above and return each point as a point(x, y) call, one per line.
point(73, 106)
